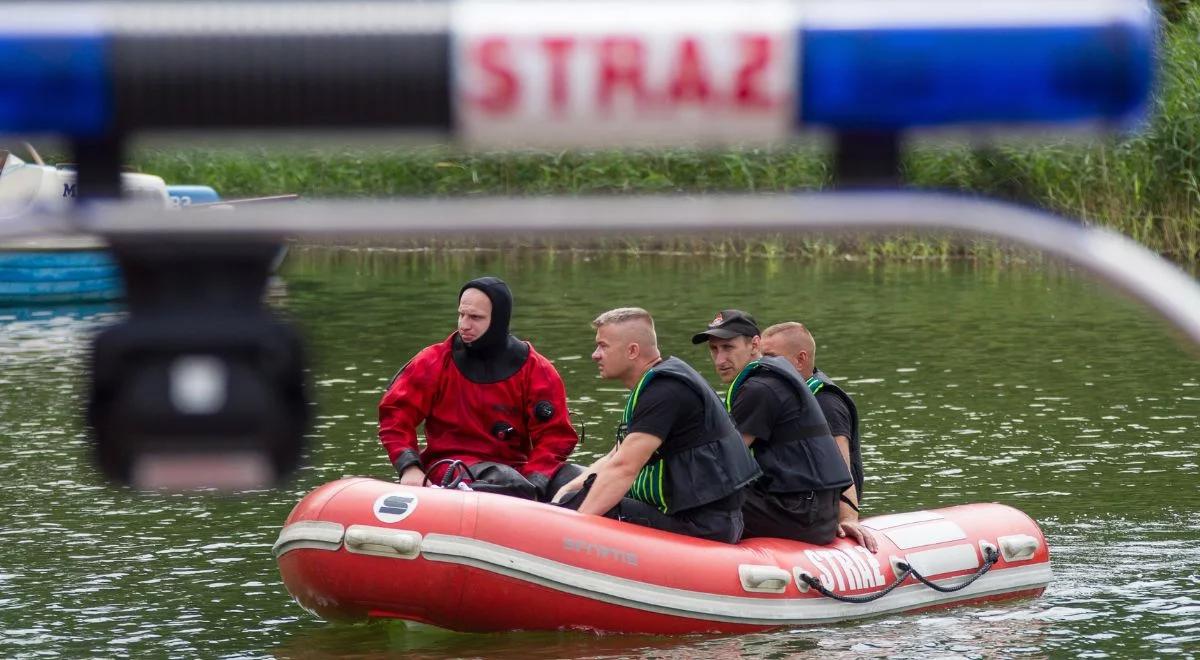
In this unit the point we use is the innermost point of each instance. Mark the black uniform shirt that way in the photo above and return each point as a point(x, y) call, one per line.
point(836, 414)
point(765, 405)
point(670, 410)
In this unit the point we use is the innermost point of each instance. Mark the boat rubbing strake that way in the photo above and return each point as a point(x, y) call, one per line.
point(359, 548)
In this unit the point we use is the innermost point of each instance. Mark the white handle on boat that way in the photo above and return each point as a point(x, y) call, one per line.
point(399, 543)
point(765, 579)
point(312, 534)
point(1018, 547)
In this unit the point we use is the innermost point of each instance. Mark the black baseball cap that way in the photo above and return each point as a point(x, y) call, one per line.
point(727, 324)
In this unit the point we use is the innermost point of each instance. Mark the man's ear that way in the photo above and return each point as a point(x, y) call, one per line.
point(633, 350)
point(755, 343)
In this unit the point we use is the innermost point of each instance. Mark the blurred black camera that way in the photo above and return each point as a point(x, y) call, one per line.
point(202, 386)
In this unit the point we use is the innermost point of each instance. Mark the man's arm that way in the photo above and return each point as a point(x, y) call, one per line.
point(551, 436)
point(851, 492)
point(407, 402)
point(848, 511)
point(577, 483)
point(754, 411)
point(617, 475)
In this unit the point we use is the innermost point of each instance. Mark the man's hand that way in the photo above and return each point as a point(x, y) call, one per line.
point(569, 487)
point(577, 483)
point(413, 476)
point(851, 528)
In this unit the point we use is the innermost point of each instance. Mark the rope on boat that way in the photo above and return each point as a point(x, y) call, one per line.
point(990, 557)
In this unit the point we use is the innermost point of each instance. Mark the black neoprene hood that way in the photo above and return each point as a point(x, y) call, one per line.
point(496, 337)
point(496, 355)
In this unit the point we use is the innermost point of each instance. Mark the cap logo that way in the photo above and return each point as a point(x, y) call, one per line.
point(718, 320)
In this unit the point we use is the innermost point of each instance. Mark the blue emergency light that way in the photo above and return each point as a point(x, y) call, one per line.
point(892, 78)
point(54, 82)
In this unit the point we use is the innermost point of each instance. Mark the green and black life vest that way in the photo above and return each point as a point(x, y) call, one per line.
point(808, 460)
point(683, 476)
point(821, 383)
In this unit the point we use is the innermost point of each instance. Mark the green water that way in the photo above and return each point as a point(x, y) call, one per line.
point(1020, 384)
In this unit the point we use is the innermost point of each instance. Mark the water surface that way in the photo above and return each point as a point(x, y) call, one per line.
point(1018, 384)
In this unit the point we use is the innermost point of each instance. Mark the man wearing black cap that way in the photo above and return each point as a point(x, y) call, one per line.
point(804, 475)
point(487, 399)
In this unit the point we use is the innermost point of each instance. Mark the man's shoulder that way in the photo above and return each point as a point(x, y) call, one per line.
point(768, 382)
point(538, 361)
point(431, 355)
point(759, 381)
point(663, 380)
point(827, 397)
point(535, 357)
point(832, 405)
point(666, 385)
point(439, 349)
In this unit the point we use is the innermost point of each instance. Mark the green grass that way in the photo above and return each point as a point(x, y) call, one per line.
point(1146, 186)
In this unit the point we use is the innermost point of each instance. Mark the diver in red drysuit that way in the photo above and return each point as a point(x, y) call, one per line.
point(487, 399)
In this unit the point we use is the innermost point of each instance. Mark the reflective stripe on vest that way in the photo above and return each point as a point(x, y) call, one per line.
point(648, 485)
point(814, 384)
point(737, 382)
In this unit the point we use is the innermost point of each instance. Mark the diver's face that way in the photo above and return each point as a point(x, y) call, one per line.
point(474, 315)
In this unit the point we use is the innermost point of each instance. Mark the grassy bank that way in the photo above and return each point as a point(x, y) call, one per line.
point(1146, 186)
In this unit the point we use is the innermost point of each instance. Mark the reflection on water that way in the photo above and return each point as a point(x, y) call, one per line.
point(39, 332)
point(1019, 385)
point(387, 638)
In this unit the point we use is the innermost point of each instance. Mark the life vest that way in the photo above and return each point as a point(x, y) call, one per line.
point(683, 476)
point(810, 459)
point(819, 382)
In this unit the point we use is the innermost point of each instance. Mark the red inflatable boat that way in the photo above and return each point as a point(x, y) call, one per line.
point(468, 561)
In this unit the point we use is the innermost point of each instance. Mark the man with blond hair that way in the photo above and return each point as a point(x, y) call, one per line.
point(794, 342)
point(679, 463)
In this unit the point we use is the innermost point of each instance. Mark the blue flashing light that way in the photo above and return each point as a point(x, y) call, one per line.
point(893, 78)
point(54, 83)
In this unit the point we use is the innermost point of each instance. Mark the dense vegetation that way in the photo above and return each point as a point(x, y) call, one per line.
point(1146, 185)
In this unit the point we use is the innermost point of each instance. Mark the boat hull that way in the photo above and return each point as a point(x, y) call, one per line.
point(362, 548)
point(57, 271)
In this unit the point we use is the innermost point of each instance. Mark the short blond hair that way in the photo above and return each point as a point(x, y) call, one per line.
point(622, 315)
point(796, 333)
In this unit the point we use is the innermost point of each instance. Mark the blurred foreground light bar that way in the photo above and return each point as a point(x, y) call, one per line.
point(543, 73)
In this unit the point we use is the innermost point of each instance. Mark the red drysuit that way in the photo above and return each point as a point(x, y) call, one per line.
point(464, 420)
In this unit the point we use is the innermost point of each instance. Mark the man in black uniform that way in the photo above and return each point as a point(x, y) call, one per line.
point(793, 342)
point(804, 475)
point(679, 463)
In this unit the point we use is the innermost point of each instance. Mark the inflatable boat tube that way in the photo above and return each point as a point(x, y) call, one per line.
point(361, 548)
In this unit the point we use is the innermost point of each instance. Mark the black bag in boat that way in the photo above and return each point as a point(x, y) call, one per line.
point(491, 477)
